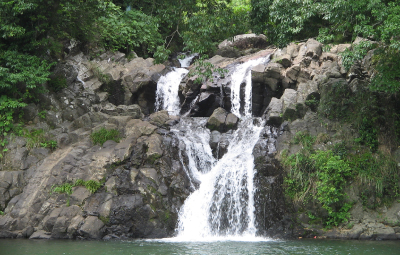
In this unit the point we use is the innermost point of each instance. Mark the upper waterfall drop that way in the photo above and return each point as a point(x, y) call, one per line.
point(168, 86)
point(242, 74)
point(167, 91)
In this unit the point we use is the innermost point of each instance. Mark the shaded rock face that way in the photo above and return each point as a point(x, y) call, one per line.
point(273, 218)
point(143, 191)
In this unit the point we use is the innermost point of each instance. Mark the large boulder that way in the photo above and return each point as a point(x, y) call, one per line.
point(274, 112)
point(93, 228)
point(217, 120)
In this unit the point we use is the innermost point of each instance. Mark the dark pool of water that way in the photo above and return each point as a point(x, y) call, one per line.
point(137, 247)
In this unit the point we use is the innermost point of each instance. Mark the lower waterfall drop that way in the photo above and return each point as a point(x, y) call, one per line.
point(223, 205)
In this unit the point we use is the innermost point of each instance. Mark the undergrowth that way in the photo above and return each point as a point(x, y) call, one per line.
point(321, 176)
point(38, 138)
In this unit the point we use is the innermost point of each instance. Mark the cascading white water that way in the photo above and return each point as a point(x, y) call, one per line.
point(168, 87)
point(195, 141)
point(185, 62)
point(223, 205)
point(240, 75)
point(167, 91)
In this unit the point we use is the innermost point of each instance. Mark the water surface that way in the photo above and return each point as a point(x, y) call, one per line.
point(166, 246)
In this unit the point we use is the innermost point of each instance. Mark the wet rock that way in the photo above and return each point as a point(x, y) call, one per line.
point(159, 118)
point(339, 48)
point(293, 50)
point(274, 70)
point(40, 234)
point(231, 121)
point(293, 72)
point(284, 60)
point(228, 52)
point(92, 228)
point(289, 104)
point(154, 150)
point(274, 112)
point(60, 228)
point(138, 128)
point(217, 119)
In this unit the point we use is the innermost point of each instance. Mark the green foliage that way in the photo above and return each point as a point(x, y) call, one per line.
point(379, 176)
point(38, 138)
point(105, 220)
point(2, 213)
point(322, 176)
point(8, 106)
point(98, 73)
point(355, 54)
point(66, 188)
point(21, 73)
point(63, 188)
point(312, 102)
point(161, 54)
point(103, 135)
point(57, 83)
point(336, 101)
point(368, 134)
point(42, 114)
point(131, 30)
point(92, 186)
point(338, 21)
point(387, 70)
point(213, 25)
point(285, 21)
point(21, 76)
point(305, 140)
point(204, 70)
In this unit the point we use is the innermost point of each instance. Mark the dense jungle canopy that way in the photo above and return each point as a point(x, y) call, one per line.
point(33, 33)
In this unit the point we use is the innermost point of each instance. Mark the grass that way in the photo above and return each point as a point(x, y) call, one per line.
point(66, 188)
point(38, 138)
point(103, 135)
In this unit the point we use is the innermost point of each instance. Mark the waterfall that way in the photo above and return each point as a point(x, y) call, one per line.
point(167, 91)
point(185, 62)
point(240, 75)
point(168, 86)
point(223, 205)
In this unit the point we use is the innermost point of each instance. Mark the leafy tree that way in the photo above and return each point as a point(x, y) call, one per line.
point(130, 30)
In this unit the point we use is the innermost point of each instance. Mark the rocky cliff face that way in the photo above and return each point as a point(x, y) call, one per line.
point(143, 182)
